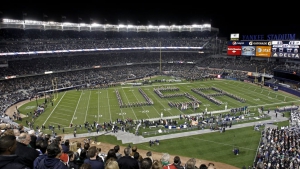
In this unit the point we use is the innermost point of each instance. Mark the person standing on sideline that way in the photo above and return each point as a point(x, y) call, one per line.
point(74, 133)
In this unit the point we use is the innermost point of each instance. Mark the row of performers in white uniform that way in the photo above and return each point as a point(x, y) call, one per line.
point(235, 97)
point(137, 104)
point(221, 92)
point(149, 100)
point(119, 98)
point(185, 105)
point(158, 92)
point(208, 97)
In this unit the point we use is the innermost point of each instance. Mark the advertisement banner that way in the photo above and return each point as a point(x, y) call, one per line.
point(263, 51)
point(286, 42)
point(234, 36)
point(285, 55)
point(249, 43)
point(234, 50)
point(248, 50)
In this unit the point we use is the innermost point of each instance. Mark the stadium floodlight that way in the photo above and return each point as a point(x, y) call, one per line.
point(206, 25)
point(121, 26)
point(196, 26)
point(129, 26)
point(95, 24)
point(162, 26)
point(67, 23)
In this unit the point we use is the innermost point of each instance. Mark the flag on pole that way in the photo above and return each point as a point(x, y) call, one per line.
point(24, 14)
point(45, 16)
point(63, 17)
point(79, 18)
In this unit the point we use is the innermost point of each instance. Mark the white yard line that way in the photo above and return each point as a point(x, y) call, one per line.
point(98, 105)
point(65, 110)
point(232, 145)
point(273, 103)
point(139, 101)
point(76, 107)
point(128, 102)
point(54, 108)
point(87, 107)
point(108, 106)
point(61, 125)
point(274, 93)
point(60, 118)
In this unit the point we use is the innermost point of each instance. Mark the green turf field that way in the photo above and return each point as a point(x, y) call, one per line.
point(101, 105)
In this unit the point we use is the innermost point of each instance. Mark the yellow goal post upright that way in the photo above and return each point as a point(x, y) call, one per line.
point(54, 89)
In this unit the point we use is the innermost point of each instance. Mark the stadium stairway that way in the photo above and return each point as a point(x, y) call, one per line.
point(130, 138)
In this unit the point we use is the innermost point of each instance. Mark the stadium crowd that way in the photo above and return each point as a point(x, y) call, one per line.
point(30, 150)
point(18, 40)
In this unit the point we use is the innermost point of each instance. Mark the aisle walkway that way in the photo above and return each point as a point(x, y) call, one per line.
point(127, 138)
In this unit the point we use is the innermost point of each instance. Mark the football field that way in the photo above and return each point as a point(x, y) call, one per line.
point(103, 105)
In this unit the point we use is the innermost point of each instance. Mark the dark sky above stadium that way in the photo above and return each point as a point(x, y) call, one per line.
point(229, 18)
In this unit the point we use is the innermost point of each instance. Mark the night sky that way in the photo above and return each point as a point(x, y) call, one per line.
point(229, 19)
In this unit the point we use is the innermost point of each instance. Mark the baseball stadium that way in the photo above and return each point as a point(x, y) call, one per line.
point(180, 95)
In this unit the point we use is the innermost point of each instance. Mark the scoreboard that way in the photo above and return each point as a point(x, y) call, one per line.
point(278, 49)
point(285, 49)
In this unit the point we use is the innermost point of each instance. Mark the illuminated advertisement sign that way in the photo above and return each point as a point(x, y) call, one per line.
point(263, 51)
point(285, 55)
point(285, 49)
point(248, 50)
point(234, 50)
point(269, 37)
point(238, 43)
point(250, 43)
point(234, 36)
point(285, 42)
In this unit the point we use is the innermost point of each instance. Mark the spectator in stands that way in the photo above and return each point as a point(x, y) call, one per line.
point(127, 162)
point(191, 164)
point(111, 163)
point(110, 154)
point(8, 145)
point(26, 154)
point(165, 160)
point(136, 157)
point(86, 166)
point(157, 165)
point(202, 166)
point(16, 132)
point(33, 138)
point(177, 162)
point(66, 146)
point(149, 155)
point(134, 150)
point(72, 164)
point(146, 163)
point(117, 149)
point(92, 154)
point(52, 160)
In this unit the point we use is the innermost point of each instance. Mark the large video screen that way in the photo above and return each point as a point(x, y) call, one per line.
point(285, 49)
point(279, 49)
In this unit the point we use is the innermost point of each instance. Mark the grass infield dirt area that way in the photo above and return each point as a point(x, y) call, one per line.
point(105, 147)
